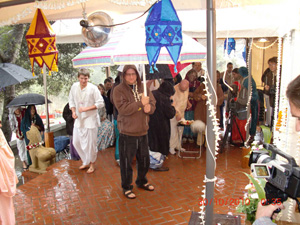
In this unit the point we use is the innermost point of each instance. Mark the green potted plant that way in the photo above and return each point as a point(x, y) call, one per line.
point(255, 193)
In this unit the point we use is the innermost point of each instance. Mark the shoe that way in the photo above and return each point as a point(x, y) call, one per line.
point(162, 169)
point(191, 140)
point(184, 140)
point(147, 187)
point(129, 192)
point(118, 162)
point(182, 150)
point(172, 151)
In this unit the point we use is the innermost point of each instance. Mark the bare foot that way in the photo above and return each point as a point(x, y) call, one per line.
point(91, 169)
point(82, 167)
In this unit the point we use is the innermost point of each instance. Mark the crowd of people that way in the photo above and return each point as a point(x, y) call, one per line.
point(139, 121)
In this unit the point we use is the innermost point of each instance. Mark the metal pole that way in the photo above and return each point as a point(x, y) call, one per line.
point(46, 99)
point(211, 68)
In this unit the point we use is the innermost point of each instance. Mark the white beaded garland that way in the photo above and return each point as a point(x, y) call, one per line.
point(212, 113)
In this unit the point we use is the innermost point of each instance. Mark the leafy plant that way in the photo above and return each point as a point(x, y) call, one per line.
point(255, 194)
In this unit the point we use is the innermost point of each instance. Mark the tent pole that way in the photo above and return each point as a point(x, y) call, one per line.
point(211, 68)
point(46, 99)
point(144, 80)
point(48, 136)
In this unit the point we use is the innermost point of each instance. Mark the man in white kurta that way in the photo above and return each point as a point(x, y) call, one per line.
point(180, 102)
point(84, 101)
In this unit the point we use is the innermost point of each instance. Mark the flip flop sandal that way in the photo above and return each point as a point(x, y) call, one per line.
point(146, 187)
point(127, 193)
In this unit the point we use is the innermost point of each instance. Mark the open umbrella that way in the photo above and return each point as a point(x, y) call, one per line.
point(11, 74)
point(128, 47)
point(28, 99)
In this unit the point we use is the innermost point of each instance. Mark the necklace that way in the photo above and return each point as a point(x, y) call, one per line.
point(135, 93)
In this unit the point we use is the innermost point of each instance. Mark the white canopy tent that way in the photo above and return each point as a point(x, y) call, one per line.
point(237, 22)
point(18, 12)
point(235, 18)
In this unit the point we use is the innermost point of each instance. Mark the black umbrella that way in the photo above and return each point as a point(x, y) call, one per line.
point(11, 74)
point(28, 99)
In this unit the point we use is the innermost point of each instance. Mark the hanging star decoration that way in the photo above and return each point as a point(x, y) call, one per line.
point(231, 45)
point(41, 43)
point(163, 29)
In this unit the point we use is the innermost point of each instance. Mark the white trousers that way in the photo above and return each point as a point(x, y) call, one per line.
point(174, 138)
point(21, 145)
point(7, 212)
point(85, 142)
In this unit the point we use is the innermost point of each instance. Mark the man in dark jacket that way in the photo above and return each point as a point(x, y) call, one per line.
point(269, 79)
point(134, 109)
point(159, 125)
point(67, 115)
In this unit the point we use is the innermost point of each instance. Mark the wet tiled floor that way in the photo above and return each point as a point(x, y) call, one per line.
point(67, 195)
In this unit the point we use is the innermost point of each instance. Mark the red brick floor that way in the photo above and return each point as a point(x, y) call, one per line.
point(66, 195)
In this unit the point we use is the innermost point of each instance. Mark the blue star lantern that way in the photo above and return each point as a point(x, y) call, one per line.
point(231, 45)
point(163, 29)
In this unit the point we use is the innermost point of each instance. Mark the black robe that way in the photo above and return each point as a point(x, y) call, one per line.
point(159, 124)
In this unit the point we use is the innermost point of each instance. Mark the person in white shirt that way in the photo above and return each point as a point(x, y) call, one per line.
point(84, 101)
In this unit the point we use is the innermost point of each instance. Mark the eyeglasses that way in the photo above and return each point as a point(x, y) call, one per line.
point(130, 74)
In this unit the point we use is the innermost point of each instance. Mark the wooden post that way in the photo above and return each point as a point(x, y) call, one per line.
point(49, 139)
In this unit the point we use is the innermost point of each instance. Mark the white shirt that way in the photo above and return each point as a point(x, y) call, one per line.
point(201, 73)
point(88, 96)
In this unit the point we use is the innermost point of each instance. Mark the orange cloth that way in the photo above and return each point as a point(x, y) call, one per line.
point(7, 211)
point(8, 182)
point(8, 177)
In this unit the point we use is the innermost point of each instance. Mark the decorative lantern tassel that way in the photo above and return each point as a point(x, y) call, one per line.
point(33, 74)
point(49, 73)
point(42, 71)
point(175, 69)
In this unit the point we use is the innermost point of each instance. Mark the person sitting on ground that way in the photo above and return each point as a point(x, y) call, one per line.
point(31, 118)
point(16, 115)
point(159, 124)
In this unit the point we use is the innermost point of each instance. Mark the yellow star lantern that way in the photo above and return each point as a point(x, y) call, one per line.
point(41, 43)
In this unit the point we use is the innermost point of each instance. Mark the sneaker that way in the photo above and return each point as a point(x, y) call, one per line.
point(191, 140)
point(184, 140)
point(118, 162)
point(172, 151)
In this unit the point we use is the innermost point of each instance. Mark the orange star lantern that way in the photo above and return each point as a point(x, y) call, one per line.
point(41, 43)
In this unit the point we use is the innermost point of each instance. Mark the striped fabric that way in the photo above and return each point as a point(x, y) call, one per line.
point(128, 47)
